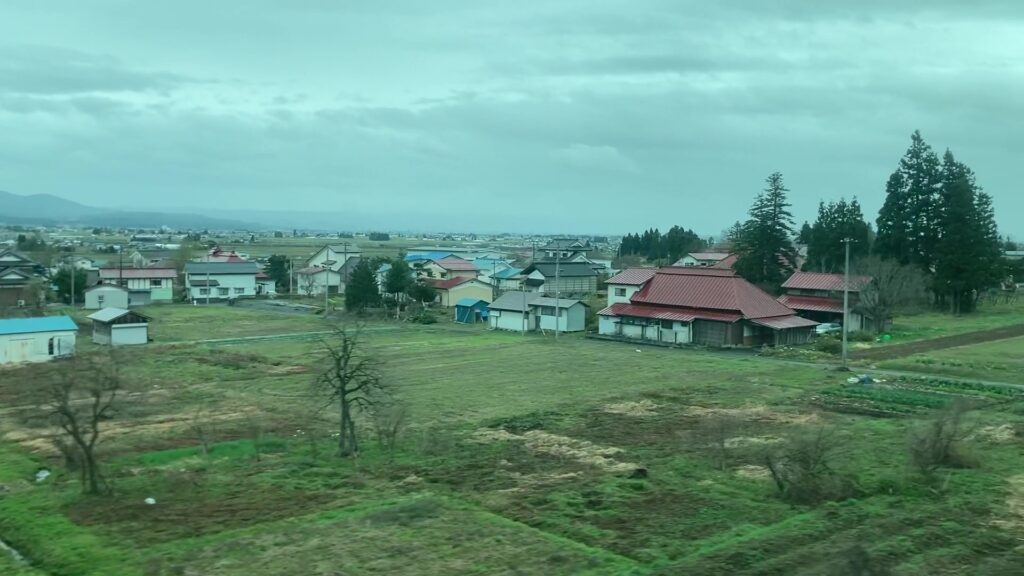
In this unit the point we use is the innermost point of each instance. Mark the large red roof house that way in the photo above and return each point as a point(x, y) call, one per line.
point(699, 305)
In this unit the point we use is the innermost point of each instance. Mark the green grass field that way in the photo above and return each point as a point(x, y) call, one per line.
point(1001, 361)
point(925, 325)
point(519, 458)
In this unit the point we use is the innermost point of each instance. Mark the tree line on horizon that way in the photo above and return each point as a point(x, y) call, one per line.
point(936, 221)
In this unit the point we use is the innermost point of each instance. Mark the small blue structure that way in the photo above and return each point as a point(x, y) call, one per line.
point(471, 310)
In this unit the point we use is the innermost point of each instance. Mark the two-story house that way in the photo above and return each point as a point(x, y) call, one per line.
point(17, 273)
point(220, 280)
point(819, 296)
point(565, 278)
point(144, 285)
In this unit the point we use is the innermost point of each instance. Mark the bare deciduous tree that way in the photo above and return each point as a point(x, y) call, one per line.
point(893, 287)
point(937, 444)
point(82, 396)
point(309, 285)
point(389, 420)
point(803, 468)
point(716, 430)
point(350, 380)
point(201, 426)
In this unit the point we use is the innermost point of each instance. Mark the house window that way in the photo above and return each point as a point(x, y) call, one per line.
point(99, 299)
point(239, 290)
point(666, 324)
point(156, 283)
point(222, 291)
point(204, 291)
point(620, 291)
point(547, 310)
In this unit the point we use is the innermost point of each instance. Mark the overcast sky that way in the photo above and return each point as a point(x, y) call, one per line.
point(559, 116)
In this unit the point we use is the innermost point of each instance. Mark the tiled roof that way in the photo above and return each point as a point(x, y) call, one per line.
point(457, 264)
point(40, 324)
point(812, 303)
point(823, 281)
point(115, 273)
point(709, 289)
point(633, 276)
point(662, 313)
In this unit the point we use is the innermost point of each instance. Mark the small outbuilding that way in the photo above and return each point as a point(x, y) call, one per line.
point(471, 310)
point(106, 296)
point(119, 327)
point(36, 339)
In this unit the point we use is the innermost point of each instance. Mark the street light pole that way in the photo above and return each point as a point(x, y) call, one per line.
point(846, 298)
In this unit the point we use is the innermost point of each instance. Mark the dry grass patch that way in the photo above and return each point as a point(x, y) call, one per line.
point(753, 472)
point(641, 408)
point(756, 414)
point(562, 447)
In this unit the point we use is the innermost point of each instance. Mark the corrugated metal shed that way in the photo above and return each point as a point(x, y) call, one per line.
point(40, 324)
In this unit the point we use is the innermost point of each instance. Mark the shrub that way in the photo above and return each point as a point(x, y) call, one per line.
point(860, 336)
point(938, 444)
point(829, 345)
point(803, 469)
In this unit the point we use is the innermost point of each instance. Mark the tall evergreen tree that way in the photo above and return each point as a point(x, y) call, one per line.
point(805, 231)
point(908, 224)
point(837, 221)
point(967, 254)
point(764, 248)
point(362, 290)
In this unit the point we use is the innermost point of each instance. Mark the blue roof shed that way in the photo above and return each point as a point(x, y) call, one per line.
point(33, 325)
point(470, 310)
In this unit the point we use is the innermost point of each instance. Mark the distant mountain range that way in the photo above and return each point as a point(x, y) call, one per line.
point(49, 210)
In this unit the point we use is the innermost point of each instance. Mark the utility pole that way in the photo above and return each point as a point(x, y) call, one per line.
point(208, 287)
point(73, 270)
point(558, 264)
point(291, 277)
point(846, 297)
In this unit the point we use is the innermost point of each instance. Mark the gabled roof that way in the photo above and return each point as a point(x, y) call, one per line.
point(566, 244)
point(812, 303)
point(566, 269)
point(559, 302)
point(449, 282)
point(514, 300)
point(115, 273)
point(633, 276)
point(824, 281)
point(107, 287)
point(470, 302)
point(727, 262)
point(111, 314)
point(40, 324)
point(716, 256)
point(507, 273)
point(709, 289)
point(222, 268)
point(312, 270)
point(456, 264)
point(11, 258)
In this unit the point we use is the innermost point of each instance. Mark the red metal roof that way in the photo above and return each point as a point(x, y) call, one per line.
point(823, 281)
point(633, 276)
point(812, 303)
point(456, 263)
point(114, 273)
point(726, 262)
point(709, 289)
point(448, 282)
point(661, 313)
point(785, 322)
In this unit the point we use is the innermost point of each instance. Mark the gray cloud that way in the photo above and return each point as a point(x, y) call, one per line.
point(624, 114)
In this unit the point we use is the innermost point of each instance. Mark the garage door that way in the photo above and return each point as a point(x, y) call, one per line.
point(709, 333)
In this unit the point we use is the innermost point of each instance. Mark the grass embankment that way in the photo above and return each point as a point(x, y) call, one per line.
point(521, 456)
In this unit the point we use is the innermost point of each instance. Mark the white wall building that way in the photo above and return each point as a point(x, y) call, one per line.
point(220, 280)
point(36, 339)
point(119, 327)
point(625, 284)
point(106, 296)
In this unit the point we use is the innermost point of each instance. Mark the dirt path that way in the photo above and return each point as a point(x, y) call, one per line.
point(909, 348)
